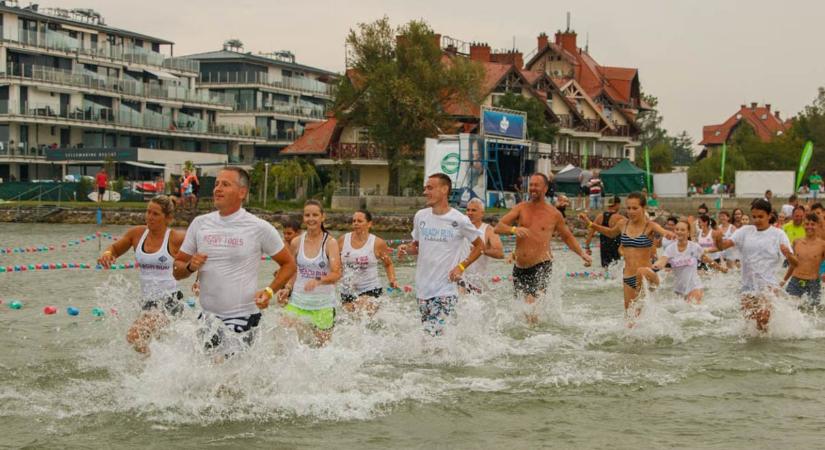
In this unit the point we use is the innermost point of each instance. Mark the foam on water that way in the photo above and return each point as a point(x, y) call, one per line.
point(372, 366)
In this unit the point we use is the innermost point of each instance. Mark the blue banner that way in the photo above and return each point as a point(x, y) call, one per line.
point(497, 123)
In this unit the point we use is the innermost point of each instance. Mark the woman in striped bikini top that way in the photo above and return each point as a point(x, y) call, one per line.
point(637, 249)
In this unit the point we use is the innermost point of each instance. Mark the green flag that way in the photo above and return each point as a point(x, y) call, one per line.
point(807, 152)
point(724, 157)
point(647, 168)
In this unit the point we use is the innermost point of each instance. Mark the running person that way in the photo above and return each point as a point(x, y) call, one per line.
point(608, 247)
point(360, 253)
point(438, 237)
point(636, 235)
point(804, 272)
point(476, 276)
point(537, 223)
point(292, 228)
point(683, 257)
point(226, 247)
point(763, 247)
point(155, 245)
point(731, 255)
point(311, 291)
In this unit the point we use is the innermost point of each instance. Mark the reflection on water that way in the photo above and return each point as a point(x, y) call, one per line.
point(577, 379)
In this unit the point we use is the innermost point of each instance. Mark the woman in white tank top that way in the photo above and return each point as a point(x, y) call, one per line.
point(360, 253)
point(311, 291)
point(155, 246)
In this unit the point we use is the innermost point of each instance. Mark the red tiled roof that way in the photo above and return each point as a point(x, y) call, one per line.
point(315, 140)
point(764, 123)
point(493, 74)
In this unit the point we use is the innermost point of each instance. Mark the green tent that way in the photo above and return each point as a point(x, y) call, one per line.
point(623, 178)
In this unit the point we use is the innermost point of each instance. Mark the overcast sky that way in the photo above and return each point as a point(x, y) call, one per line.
point(701, 58)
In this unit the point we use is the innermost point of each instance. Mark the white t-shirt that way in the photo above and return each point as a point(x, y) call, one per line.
point(685, 273)
point(760, 256)
point(787, 210)
point(234, 245)
point(440, 239)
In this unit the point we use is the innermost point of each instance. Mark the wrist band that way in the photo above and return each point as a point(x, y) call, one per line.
point(513, 230)
point(107, 252)
point(269, 291)
point(461, 266)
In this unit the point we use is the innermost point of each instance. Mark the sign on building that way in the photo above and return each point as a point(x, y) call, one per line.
point(503, 123)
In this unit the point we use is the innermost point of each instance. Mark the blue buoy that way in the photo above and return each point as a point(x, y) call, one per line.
point(191, 302)
point(72, 311)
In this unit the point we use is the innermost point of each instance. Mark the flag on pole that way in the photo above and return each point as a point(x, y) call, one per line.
point(724, 156)
point(807, 152)
point(647, 169)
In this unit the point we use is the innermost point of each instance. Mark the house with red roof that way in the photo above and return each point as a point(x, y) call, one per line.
point(595, 108)
point(766, 124)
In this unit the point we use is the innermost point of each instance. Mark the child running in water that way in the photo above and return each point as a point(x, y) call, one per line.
point(684, 256)
point(804, 272)
point(763, 248)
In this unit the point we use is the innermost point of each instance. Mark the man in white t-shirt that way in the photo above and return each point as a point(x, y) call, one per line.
point(763, 247)
point(226, 247)
point(439, 232)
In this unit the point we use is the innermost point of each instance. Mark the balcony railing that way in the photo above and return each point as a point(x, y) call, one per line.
point(355, 151)
point(125, 116)
point(312, 112)
point(621, 131)
point(292, 83)
point(13, 149)
point(117, 85)
point(54, 40)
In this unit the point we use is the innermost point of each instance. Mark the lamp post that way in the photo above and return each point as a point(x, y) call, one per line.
point(266, 178)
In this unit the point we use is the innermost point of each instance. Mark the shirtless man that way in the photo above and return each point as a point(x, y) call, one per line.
point(609, 248)
point(476, 276)
point(804, 273)
point(537, 222)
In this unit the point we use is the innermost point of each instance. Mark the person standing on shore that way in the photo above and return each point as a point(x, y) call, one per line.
point(102, 181)
point(537, 223)
point(608, 247)
point(226, 247)
point(438, 236)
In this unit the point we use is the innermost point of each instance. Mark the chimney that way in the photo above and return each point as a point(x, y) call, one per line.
point(437, 38)
point(567, 41)
point(743, 106)
point(508, 57)
point(753, 106)
point(777, 116)
point(480, 52)
point(768, 106)
point(543, 41)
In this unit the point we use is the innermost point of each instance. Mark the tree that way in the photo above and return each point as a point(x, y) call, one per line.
point(708, 169)
point(810, 126)
point(538, 127)
point(682, 146)
point(397, 85)
point(651, 131)
point(661, 158)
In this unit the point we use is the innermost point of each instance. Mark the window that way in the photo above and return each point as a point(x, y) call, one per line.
point(362, 135)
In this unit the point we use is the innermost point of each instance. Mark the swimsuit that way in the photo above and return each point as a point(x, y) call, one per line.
point(640, 241)
point(532, 280)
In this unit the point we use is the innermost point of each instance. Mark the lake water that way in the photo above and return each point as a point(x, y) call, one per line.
point(686, 376)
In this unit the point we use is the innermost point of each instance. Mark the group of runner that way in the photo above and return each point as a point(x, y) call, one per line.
point(316, 272)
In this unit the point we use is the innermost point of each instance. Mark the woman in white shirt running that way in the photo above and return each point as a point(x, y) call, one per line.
point(684, 256)
point(155, 246)
point(360, 253)
point(310, 294)
point(763, 248)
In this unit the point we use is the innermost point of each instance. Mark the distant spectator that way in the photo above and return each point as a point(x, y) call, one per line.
point(714, 188)
point(692, 190)
point(595, 191)
point(815, 182)
point(102, 179)
point(768, 196)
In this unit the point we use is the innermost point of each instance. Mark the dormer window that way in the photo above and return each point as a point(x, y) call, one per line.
point(738, 116)
point(718, 133)
point(764, 117)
